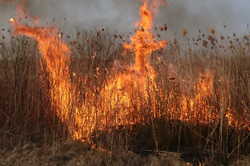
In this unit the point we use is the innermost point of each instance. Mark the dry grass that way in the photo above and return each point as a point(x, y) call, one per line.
point(77, 153)
point(27, 114)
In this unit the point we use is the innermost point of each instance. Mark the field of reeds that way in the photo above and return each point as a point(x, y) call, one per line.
point(199, 100)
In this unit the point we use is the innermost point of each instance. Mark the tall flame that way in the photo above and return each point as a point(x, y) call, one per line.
point(125, 88)
point(143, 42)
point(197, 107)
point(120, 92)
point(55, 54)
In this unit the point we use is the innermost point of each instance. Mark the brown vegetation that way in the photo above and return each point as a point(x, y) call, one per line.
point(200, 98)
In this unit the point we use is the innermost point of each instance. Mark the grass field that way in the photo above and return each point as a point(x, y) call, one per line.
point(102, 98)
point(199, 97)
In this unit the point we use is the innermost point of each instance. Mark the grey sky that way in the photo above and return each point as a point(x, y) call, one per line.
point(122, 14)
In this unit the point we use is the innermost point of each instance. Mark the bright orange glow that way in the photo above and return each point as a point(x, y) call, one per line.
point(126, 95)
point(198, 107)
point(55, 53)
point(238, 123)
point(124, 90)
point(143, 43)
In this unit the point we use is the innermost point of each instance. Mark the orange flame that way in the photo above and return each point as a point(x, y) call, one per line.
point(143, 42)
point(55, 54)
point(197, 107)
point(121, 91)
point(137, 81)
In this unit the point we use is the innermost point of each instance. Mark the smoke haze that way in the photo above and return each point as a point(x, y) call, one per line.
point(121, 15)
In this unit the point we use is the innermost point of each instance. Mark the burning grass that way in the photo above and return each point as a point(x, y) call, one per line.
point(200, 88)
point(168, 97)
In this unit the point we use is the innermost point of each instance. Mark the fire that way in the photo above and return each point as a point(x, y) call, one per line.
point(140, 77)
point(124, 95)
point(55, 54)
point(197, 107)
point(143, 43)
point(241, 122)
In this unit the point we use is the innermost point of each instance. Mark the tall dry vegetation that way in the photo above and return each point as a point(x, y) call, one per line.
point(201, 97)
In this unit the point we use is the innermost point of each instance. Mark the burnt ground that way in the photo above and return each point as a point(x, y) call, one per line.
point(160, 135)
point(77, 153)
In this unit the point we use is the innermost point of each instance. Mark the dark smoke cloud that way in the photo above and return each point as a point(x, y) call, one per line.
point(121, 15)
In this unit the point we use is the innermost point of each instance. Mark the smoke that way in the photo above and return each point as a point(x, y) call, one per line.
point(121, 15)
point(204, 14)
